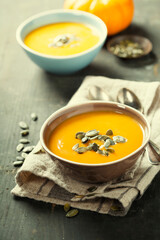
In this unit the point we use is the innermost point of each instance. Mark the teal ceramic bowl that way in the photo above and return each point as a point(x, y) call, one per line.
point(67, 64)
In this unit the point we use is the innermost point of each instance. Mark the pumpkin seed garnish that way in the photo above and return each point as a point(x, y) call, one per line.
point(95, 147)
point(66, 207)
point(89, 147)
point(103, 137)
point(80, 135)
point(111, 150)
point(92, 189)
point(84, 139)
point(34, 116)
point(75, 147)
point(92, 133)
point(81, 150)
point(119, 139)
point(23, 125)
point(105, 153)
point(92, 138)
point(28, 149)
point(109, 132)
point(19, 147)
point(24, 132)
point(112, 142)
point(24, 141)
point(100, 151)
point(72, 213)
point(107, 143)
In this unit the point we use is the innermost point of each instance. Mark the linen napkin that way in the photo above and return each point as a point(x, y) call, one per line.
point(42, 179)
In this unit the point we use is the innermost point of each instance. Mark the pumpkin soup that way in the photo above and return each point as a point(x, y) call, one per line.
point(96, 137)
point(62, 39)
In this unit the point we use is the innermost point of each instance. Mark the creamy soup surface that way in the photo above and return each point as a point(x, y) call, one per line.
point(62, 39)
point(62, 139)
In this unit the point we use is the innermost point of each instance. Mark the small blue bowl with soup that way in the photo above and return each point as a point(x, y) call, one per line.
point(62, 41)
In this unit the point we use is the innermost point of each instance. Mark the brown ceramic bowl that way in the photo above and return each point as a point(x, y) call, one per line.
point(94, 173)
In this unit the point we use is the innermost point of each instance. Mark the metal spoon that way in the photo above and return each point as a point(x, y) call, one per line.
point(126, 97)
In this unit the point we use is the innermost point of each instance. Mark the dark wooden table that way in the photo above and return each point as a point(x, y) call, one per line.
point(25, 88)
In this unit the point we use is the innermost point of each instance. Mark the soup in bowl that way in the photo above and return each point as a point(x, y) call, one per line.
point(62, 41)
point(97, 141)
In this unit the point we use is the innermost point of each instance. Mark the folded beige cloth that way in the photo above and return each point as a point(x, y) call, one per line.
point(42, 179)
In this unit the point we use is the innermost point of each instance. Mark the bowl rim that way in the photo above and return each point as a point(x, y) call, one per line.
point(55, 11)
point(69, 107)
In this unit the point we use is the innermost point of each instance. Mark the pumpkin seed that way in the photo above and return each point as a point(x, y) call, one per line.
point(103, 137)
point(80, 135)
point(92, 133)
point(17, 163)
point(24, 132)
point(100, 151)
point(66, 207)
point(72, 213)
point(19, 147)
point(84, 139)
point(23, 125)
point(105, 153)
point(81, 150)
point(20, 158)
point(112, 142)
point(111, 150)
point(95, 147)
point(24, 155)
point(34, 116)
point(109, 132)
point(92, 189)
point(107, 143)
point(24, 141)
point(74, 148)
point(119, 139)
point(89, 147)
point(92, 138)
point(28, 149)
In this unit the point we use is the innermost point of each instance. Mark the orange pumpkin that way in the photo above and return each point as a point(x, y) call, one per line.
point(117, 14)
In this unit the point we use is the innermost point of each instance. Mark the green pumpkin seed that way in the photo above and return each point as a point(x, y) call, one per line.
point(80, 135)
point(81, 150)
point(89, 147)
point(92, 189)
point(34, 116)
point(109, 132)
point(100, 151)
point(107, 143)
point(95, 147)
point(84, 139)
point(24, 155)
point(17, 163)
point(119, 139)
point(24, 141)
point(92, 133)
point(20, 158)
point(24, 132)
point(75, 147)
point(23, 125)
point(28, 149)
point(66, 207)
point(19, 147)
point(111, 150)
point(92, 138)
point(105, 153)
point(72, 213)
point(112, 142)
point(103, 137)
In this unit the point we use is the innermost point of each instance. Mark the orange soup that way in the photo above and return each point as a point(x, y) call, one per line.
point(63, 139)
point(62, 39)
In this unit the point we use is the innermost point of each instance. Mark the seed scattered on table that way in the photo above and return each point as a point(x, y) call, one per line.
point(23, 125)
point(28, 149)
point(72, 213)
point(24, 132)
point(20, 158)
point(66, 207)
point(19, 147)
point(17, 163)
point(24, 140)
point(34, 116)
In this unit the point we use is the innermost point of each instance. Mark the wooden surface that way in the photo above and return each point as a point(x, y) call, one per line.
point(25, 88)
